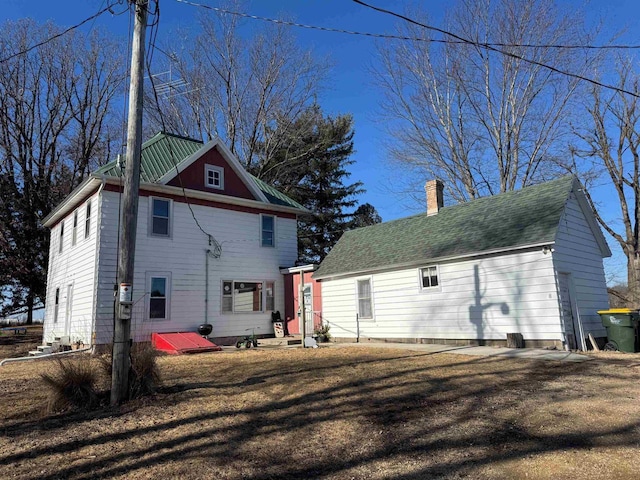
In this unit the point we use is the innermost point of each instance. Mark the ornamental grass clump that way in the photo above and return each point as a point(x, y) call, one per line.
point(144, 375)
point(73, 385)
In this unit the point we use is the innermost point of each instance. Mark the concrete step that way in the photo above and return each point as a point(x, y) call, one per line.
point(279, 342)
point(36, 353)
point(45, 349)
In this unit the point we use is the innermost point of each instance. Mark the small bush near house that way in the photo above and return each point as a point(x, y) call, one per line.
point(73, 385)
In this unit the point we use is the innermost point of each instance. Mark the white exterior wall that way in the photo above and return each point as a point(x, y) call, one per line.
point(483, 298)
point(75, 266)
point(182, 257)
point(577, 253)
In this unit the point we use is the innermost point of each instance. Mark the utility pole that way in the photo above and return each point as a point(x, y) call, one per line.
point(122, 327)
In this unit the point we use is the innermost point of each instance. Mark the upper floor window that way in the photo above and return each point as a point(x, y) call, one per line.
point(160, 211)
point(268, 230)
point(429, 276)
point(74, 232)
point(214, 177)
point(87, 221)
point(61, 237)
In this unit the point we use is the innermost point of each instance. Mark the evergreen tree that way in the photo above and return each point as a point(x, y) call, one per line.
point(310, 166)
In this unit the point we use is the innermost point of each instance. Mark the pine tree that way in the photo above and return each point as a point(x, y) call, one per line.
point(311, 166)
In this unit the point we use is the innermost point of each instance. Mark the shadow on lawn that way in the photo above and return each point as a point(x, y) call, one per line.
point(443, 417)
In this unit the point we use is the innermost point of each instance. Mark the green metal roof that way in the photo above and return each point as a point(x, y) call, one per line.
point(164, 151)
point(157, 158)
point(509, 220)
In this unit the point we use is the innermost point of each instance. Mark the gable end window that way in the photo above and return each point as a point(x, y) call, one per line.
point(267, 230)
point(160, 217)
point(429, 277)
point(214, 177)
point(365, 309)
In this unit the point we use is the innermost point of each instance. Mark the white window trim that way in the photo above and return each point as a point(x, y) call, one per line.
point(150, 222)
point(56, 305)
point(373, 312)
point(275, 218)
point(438, 287)
point(148, 277)
point(61, 237)
point(87, 219)
point(263, 301)
point(213, 168)
point(74, 229)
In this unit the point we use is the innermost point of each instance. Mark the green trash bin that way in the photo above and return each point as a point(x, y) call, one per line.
point(622, 329)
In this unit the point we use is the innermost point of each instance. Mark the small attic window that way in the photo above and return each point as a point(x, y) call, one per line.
point(214, 177)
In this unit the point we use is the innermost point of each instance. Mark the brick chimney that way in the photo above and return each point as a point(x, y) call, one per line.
point(435, 202)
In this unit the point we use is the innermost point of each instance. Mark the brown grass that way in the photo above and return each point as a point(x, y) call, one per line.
point(338, 413)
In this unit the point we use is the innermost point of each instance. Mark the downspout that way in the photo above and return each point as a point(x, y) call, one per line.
point(206, 285)
point(97, 265)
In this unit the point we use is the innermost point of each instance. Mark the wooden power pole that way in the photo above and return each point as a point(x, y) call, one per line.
point(122, 327)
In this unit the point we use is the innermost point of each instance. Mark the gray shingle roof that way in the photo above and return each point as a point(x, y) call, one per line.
point(509, 220)
point(163, 151)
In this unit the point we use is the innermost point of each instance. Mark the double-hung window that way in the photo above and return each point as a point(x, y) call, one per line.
point(61, 237)
point(214, 177)
point(74, 232)
point(268, 230)
point(159, 288)
point(244, 297)
point(160, 217)
point(87, 221)
point(429, 277)
point(365, 308)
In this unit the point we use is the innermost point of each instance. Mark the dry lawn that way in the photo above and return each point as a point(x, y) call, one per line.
point(338, 413)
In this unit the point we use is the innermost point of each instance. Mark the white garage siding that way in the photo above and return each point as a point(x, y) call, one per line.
point(483, 298)
point(578, 253)
point(182, 258)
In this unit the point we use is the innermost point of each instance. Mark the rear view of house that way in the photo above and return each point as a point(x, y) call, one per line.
point(526, 262)
point(210, 242)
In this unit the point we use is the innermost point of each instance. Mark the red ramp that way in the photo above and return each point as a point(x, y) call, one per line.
point(182, 342)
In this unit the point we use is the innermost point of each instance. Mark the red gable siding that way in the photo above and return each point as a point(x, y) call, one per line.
point(193, 177)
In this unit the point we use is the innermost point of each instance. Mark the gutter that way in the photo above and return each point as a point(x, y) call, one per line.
point(43, 357)
point(422, 262)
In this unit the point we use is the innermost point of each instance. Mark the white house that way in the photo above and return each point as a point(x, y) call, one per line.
point(527, 262)
point(210, 242)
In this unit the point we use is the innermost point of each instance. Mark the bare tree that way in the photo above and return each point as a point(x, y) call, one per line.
point(610, 151)
point(55, 103)
point(238, 87)
point(484, 122)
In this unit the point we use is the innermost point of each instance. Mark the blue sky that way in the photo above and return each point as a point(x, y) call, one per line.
point(349, 89)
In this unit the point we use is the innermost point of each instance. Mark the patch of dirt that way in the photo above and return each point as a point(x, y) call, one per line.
point(18, 345)
point(335, 414)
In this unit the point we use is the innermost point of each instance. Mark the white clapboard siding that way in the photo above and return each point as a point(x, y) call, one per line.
point(182, 257)
point(483, 298)
point(576, 252)
point(75, 266)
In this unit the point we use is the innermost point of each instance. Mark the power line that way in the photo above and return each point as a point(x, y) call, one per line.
point(216, 246)
point(401, 37)
point(64, 32)
point(492, 48)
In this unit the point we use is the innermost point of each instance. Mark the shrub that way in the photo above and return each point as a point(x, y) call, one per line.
point(73, 385)
point(144, 375)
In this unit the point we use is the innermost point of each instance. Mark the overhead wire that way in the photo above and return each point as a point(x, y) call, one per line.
point(216, 246)
point(402, 37)
point(496, 47)
point(108, 8)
